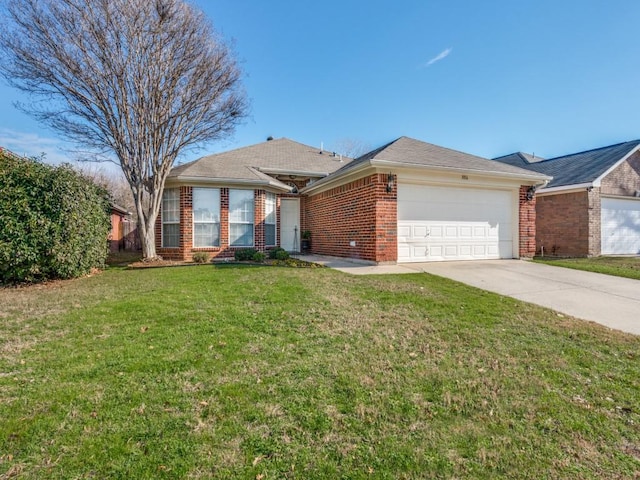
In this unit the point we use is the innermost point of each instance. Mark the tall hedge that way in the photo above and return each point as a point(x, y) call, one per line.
point(54, 222)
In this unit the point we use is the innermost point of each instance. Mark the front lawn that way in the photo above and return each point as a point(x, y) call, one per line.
point(628, 267)
point(271, 373)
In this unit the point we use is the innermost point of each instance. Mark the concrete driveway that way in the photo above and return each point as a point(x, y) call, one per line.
point(610, 301)
point(605, 299)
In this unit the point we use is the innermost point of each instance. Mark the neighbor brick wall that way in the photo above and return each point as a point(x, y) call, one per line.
point(624, 180)
point(562, 224)
point(595, 222)
point(527, 224)
point(360, 211)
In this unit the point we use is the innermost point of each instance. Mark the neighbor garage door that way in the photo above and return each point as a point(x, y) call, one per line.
point(446, 223)
point(620, 226)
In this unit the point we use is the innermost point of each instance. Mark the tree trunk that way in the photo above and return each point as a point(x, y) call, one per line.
point(148, 240)
point(147, 222)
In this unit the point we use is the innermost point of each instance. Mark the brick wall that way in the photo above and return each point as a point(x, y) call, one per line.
point(625, 179)
point(563, 224)
point(186, 249)
point(595, 222)
point(527, 224)
point(258, 222)
point(360, 211)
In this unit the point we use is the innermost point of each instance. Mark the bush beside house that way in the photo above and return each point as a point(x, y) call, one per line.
point(54, 222)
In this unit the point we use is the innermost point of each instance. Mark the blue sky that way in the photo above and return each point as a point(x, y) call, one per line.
point(487, 78)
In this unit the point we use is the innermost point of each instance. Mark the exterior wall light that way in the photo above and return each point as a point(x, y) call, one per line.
point(390, 182)
point(531, 191)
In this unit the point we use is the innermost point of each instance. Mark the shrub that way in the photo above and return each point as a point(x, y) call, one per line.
point(55, 222)
point(273, 254)
point(201, 257)
point(245, 254)
point(282, 255)
point(258, 257)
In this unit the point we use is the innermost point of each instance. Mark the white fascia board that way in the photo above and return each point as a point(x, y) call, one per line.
point(286, 171)
point(330, 180)
point(621, 197)
point(379, 166)
point(566, 188)
point(598, 181)
point(534, 178)
point(224, 182)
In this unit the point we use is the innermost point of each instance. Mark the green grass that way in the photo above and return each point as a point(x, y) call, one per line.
point(271, 373)
point(628, 267)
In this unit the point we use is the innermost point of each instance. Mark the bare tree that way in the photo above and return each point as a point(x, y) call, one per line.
point(113, 181)
point(350, 147)
point(139, 81)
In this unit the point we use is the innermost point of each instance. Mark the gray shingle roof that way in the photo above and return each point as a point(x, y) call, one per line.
point(519, 159)
point(407, 152)
point(578, 168)
point(252, 163)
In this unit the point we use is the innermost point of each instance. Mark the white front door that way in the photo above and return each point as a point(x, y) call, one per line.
point(290, 224)
point(453, 223)
point(620, 226)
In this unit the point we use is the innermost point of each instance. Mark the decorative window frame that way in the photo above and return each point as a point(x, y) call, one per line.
point(248, 217)
point(216, 214)
point(175, 219)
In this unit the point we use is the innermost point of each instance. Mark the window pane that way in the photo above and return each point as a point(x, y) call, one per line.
point(171, 205)
point(269, 234)
point(270, 209)
point(206, 235)
point(241, 234)
point(241, 206)
point(206, 205)
point(171, 235)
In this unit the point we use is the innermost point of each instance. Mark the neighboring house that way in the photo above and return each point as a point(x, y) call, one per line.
point(117, 233)
point(592, 205)
point(407, 201)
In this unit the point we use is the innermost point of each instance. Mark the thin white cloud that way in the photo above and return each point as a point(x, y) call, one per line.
point(33, 145)
point(442, 55)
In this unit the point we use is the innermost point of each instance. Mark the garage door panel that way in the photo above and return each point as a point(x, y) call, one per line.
point(436, 231)
point(420, 231)
point(404, 231)
point(466, 231)
point(448, 223)
point(620, 226)
point(480, 250)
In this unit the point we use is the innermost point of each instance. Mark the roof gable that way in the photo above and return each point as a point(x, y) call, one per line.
point(407, 152)
point(253, 163)
point(580, 168)
point(519, 159)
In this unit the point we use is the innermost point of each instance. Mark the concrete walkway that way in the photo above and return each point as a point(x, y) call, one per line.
point(605, 299)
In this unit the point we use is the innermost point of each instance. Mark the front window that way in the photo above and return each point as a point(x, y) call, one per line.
point(171, 218)
point(206, 217)
point(241, 218)
point(270, 219)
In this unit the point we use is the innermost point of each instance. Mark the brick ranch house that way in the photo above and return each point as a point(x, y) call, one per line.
point(592, 205)
point(406, 201)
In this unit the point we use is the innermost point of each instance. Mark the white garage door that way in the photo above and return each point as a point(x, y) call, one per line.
point(444, 223)
point(620, 226)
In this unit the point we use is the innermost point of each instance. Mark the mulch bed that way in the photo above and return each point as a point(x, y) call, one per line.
point(291, 262)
